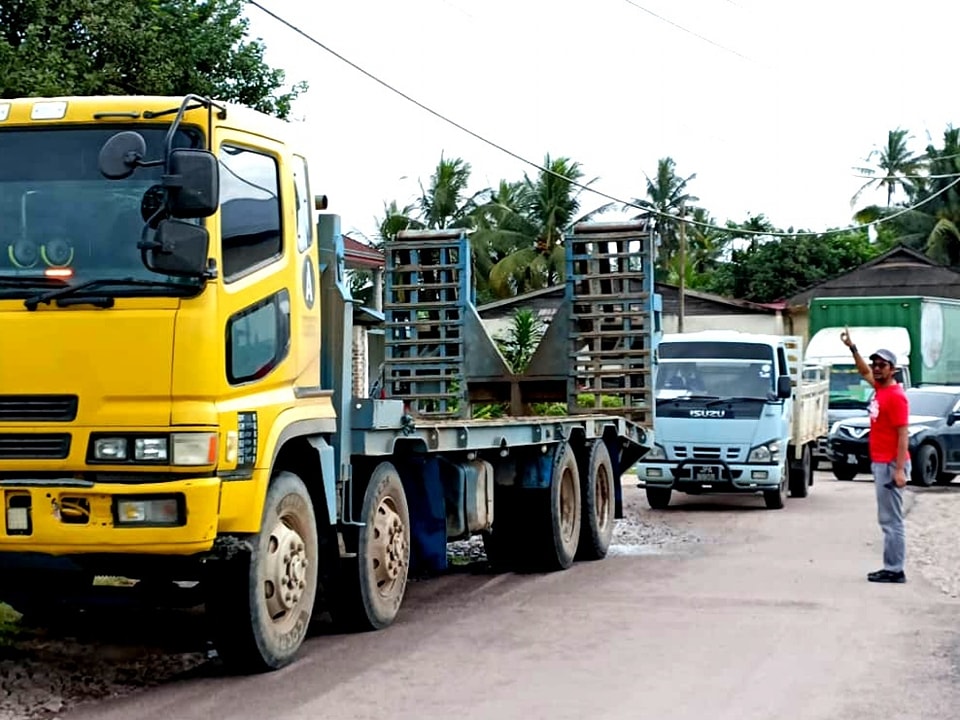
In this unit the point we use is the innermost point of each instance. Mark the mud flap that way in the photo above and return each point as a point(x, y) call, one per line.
point(428, 513)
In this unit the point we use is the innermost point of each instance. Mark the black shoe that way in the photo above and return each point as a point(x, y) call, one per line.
point(887, 576)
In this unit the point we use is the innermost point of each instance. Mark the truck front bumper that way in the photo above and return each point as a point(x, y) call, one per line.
point(60, 518)
point(703, 476)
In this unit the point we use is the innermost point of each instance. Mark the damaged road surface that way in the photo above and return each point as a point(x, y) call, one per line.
point(723, 610)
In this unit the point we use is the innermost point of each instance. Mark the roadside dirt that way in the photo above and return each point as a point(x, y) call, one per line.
point(112, 652)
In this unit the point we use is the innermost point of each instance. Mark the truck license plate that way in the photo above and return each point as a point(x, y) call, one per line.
point(705, 474)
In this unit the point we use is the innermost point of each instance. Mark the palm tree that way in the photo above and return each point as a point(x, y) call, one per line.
point(667, 198)
point(532, 218)
point(896, 165)
point(444, 205)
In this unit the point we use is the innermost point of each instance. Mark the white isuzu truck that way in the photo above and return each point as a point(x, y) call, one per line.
point(735, 413)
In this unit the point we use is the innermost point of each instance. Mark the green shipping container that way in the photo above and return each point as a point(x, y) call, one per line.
point(933, 325)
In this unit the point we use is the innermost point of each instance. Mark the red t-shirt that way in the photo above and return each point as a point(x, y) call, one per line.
point(888, 411)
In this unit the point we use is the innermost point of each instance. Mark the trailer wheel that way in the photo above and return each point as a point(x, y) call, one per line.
point(375, 582)
point(556, 515)
point(597, 505)
point(262, 600)
point(800, 473)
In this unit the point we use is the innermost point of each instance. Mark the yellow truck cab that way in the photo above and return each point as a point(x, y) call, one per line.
point(175, 395)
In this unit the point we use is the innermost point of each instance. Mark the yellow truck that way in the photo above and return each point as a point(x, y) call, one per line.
point(178, 401)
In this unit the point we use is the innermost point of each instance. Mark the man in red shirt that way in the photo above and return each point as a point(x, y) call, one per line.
point(889, 455)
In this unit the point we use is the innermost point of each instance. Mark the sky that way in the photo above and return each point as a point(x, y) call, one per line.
point(771, 103)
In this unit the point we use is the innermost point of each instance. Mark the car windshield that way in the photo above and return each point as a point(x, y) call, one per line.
point(60, 218)
point(935, 404)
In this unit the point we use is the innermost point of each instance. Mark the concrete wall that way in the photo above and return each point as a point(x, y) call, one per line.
point(772, 324)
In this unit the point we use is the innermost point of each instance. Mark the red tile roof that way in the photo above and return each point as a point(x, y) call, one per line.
point(360, 256)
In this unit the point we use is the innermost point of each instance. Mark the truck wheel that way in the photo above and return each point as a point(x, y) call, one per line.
point(375, 582)
point(262, 600)
point(926, 466)
point(599, 495)
point(775, 499)
point(556, 514)
point(800, 473)
point(842, 471)
point(658, 498)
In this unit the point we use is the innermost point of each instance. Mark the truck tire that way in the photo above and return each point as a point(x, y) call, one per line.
point(261, 601)
point(599, 498)
point(926, 465)
point(375, 581)
point(842, 471)
point(776, 499)
point(800, 473)
point(556, 516)
point(658, 498)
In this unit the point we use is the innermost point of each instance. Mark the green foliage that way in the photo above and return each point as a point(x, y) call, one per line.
point(137, 47)
point(551, 409)
point(521, 339)
point(489, 411)
point(779, 268)
point(588, 400)
point(9, 623)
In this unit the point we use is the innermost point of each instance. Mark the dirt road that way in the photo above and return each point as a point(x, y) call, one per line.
point(767, 614)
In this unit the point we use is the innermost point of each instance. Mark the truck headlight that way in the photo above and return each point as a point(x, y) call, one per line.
point(766, 453)
point(110, 449)
point(194, 448)
point(150, 449)
point(655, 453)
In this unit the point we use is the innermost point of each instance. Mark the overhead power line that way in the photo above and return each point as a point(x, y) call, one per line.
point(690, 32)
point(612, 198)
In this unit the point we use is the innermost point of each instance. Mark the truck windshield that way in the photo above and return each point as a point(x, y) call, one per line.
point(848, 388)
point(62, 221)
point(715, 378)
point(716, 369)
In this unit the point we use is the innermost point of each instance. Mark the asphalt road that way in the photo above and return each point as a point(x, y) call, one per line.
point(769, 616)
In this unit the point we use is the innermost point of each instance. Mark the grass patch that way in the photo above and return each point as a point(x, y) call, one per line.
point(9, 622)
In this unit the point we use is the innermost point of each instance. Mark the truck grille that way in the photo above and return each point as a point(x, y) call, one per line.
point(706, 452)
point(23, 446)
point(38, 408)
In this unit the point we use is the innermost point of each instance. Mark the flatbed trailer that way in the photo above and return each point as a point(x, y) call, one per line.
point(240, 453)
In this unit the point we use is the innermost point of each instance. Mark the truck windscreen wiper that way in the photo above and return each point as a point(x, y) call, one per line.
point(33, 301)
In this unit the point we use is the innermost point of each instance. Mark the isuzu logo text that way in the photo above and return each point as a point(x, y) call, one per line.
point(708, 413)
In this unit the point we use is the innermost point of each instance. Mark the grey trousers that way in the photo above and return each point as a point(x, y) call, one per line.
point(890, 514)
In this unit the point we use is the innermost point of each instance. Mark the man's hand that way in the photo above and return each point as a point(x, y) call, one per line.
point(845, 337)
point(899, 477)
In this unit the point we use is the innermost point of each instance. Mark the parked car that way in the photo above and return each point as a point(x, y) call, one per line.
point(934, 438)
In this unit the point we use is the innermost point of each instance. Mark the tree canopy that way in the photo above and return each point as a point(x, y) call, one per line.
point(137, 47)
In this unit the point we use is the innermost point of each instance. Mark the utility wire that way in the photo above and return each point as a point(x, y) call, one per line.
point(687, 30)
point(646, 209)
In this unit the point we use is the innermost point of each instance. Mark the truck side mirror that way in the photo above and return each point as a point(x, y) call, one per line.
point(953, 417)
point(178, 248)
point(193, 183)
point(784, 387)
